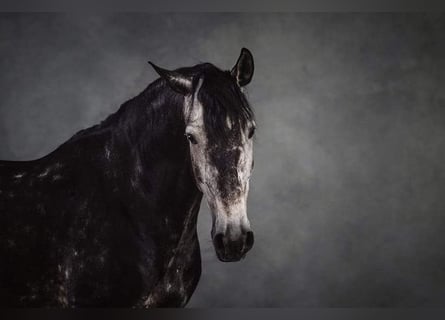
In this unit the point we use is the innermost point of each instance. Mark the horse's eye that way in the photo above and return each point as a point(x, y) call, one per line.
point(191, 138)
point(251, 132)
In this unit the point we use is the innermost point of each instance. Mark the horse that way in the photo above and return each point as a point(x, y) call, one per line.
point(109, 218)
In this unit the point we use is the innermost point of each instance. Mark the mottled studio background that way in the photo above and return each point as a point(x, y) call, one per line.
point(348, 194)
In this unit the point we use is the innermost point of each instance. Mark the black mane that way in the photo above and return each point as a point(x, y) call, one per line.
point(158, 105)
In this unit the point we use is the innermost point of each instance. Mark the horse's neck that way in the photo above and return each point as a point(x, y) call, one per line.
point(143, 157)
point(153, 163)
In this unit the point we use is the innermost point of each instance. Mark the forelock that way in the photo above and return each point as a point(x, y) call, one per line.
point(222, 102)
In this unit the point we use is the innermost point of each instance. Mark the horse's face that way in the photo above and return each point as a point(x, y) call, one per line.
point(219, 127)
point(222, 166)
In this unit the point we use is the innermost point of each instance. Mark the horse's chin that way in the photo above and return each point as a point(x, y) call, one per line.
point(223, 259)
point(230, 258)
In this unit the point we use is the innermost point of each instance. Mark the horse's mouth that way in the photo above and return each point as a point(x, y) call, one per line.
point(232, 251)
point(230, 258)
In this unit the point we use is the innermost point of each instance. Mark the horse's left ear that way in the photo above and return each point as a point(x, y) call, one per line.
point(177, 81)
point(243, 69)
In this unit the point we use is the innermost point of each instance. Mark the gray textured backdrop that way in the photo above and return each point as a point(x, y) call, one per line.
point(348, 194)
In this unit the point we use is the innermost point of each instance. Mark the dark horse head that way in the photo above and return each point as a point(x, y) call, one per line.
point(219, 125)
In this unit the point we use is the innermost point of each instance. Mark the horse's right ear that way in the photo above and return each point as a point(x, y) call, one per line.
point(178, 82)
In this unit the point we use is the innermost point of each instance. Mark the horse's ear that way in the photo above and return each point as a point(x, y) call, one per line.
point(177, 81)
point(243, 69)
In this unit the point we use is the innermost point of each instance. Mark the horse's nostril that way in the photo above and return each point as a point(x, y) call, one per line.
point(249, 240)
point(218, 241)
